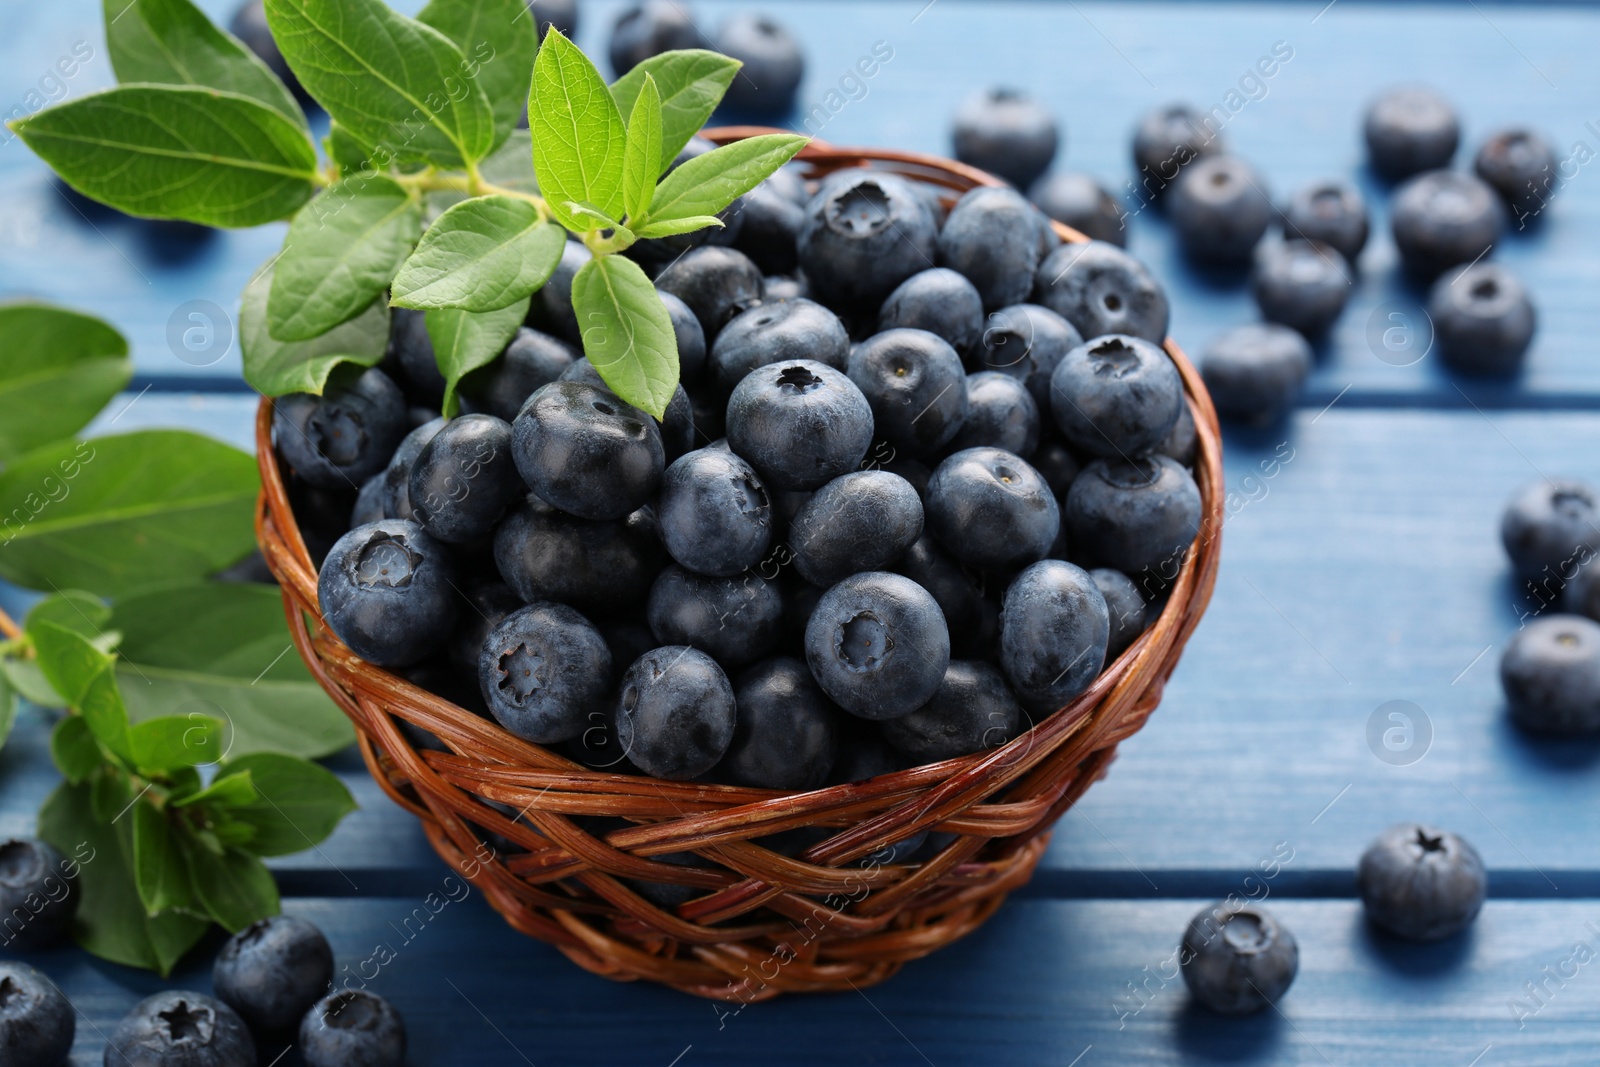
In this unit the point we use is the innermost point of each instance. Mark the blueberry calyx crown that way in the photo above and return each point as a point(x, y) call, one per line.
point(186, 1025)
point(861, 211)
point(338, 434)
point(521, 671)
point(386, 560)
point(864, 642)
point(1113, 358)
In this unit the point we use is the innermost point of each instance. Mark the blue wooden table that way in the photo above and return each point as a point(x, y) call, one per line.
point(1363, 569)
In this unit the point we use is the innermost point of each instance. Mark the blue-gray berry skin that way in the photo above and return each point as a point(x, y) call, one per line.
point(386, 589)
point(1420, 883)
point(916, 387)
point(369, 502)
point(1332, 212)
point(734, 620)
point(647, 29)
point(1183, 443)
point(1521, 166)
point(1082, 203)
point(786, 733)
point(37, 1023)
point(675, 712)
point(1006, 132)
point(397, 475)
point(1255, 372)
point(179, 1027)
point(587, 452)
point(972, 710)
point(878, 645)
point(485, 603)
point(1301, 284)
point(938, 300)
point(463, 479)
point(353, 1028)
point(676, 426)
point(34, 884)
point(991, 238)
point(551, 309)
point(411, 358)
point(990, 509)
point(770, 231)
point(784, 331)
point(1550, 528)
point(972, 618)
point(272, 971)
point(773, 64)
point(1026, 341)
point(1116, 396)
point(800, 423)
point(1409, 130)
point(343, 437)
point(1125, 607)
point(542, 670)
point(715, 515)
point(1167, 139)
point(531, 360)
point(865, 233)
point(1220, 209)
point(1058, 465)
point(1001, 413)
point(690, 336)
point(715, 283)
point(776, 287)
point(1100, 289)
point(1444, 218)
point(603, 568)
point(1134, 515)
point(1054, 629)
point(1551, 675)
point(1482, 318)
point(860, 521)
point(1237, 959)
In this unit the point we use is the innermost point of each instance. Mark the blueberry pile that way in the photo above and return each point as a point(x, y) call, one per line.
point(773, 63)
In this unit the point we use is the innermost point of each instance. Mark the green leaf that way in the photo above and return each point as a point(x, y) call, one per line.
point(499, 39)
point(578, 135)
point(74, 750)
point(691, 83)
point(160, 871)
point(168, 152)
point(589, 212)
point(111, 921)
point(642, 157)
point(706, 184)
point(300, 805)
point(102, 708)
point(346, 150)
point(8, 709)
point(627, 333)
point(69, 660)
point(463, 341)
point(481, 255)
point(78, 611)
point(58, 369)
point(235, 887)
point(174, 741)
point(397, 85)
point(277, 368)
point(669, 227)
point(171, 42)
point(226, 791)
point(126, 512)
point(340, 255)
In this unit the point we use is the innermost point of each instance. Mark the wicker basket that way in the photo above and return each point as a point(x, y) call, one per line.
point(761, 923)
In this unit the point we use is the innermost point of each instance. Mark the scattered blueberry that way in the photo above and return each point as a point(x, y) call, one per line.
point(1482, 319)
point(1237, 959)
point(775, 333)
point(463, 479)
point(1254, 373)
point(734, 620)
point(675, 714)
point(37, 1023)
point(877, 644)
point(1101, 289)
point(1007, 133)
point(1082, 203)
point(1026, 341)
point(1054, 628)
point(1116, 396)
point(1220, 209)
point(1133, 515)
point(988, 508)
point(1551, 675)
point(1421, 884)
point(940, 301)
point(799, 423)
point(786, 731)
point(353, 1028)
point(587, 452)
point(542, 670)
point(37, 900)
point(181, 1028)
point(1521, 166)
point(990, 238)
point(860, 521)
point(387, 590)
point(531, 360)
point(865, 233)
point(599, 567)
point(1001, 413)
point(715, 283)
point(1410, 130)
point(972, 710)
point(1443, 218)
point(346, 435)
point(649, 28)
point(773, 64)
point(272, 971)
point(1551, 527)
point(916, 386)
point(716, 518)
point(1332, 212)
point(1126, 608)
point(1301, 284)
point(1167, 140)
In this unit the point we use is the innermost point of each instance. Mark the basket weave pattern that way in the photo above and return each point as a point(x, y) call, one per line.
point(761, 923)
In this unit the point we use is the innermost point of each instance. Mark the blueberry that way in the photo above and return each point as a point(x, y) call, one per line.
point(411, 355)
point(322, 514)
point(773, 64)
point(1482, 319)
point(1254, 373)
point(353, 1028)
point(733, 620)
point(715, 283)
point(604, 568)
point(387, 590)
point(1410, 130)
point(1001, 413)
point(940, 301)
point(774, 333)
point(1026, 341)
point(913, 471)
point(542, 670)
point(1116, 396)
point(878, 645)
point(37, 903)
point(863, 754)
point(1057, 465)
point(562, 14)
point(587, 452)
point(769, 232)
point(1220, 209)
point(1082, 203)
point(1332, 212)
point(1167, 140)
point(1421, 884)
point(677, 426)
point(776, 287)
point(249, 24)
point(1133, 515)
point(1101, 289)
point(786, 732)
point(531, 360)
point(1125, 606)
point(988, 508)
point(1551, 675)
point(972, 620)
point(463, 479)
point(990, 237)
point(551, 309)
point(690, 335)
point(864, 234)
point(799, 423)
point(1521, 166)
point(675, 713)
point(1300, 284)
point(272, 971)
point(861, 521)
point(1183, 442)
point(1442, 218)
point(647, 29)
point(397, 475)
point(1237, 958)
point(972, 710)
point(346, 435)
point(1551, 526)
point(597, 747)
point(916, 386)
point(369, 502)
point(1054, 628)
point(37, 1023)
point(177, 1027)
point(1007, 133)
point(485, 604)
point(716, 518)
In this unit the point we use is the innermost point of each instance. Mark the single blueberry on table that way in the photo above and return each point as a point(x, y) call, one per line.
point(1007, 133)
point(551, 308)
point(1001, 413)
point(463, 479)
point(1580, 592)
point(1521, 166)
point(1255, 372)
point(865, 233)
point(1220, 209)
point(716, 517)
point(991, 239)
point(1442, 218)
point(860, 521)
point(647, 29)
point(397, 475)
point(773, 64)
point(1482, 318)
point(1168, 139)
point(37, 1023)
point(973, 621)
point(1237, 959)
point(1116, 396)
point(734, 620)
point(542, 670)
point(1026, 341)
point(1410, 130)
point(531, 360)
point(1100, 289)
point(37, 898)
point(800, 423)
point(786, 731)
point(916, 387)
point(972, 710)
point(600, 567)
point(353, 1028)
point(1550, 528)
point(387, 590)
point(343, 437)
point(990, 509)
point(1133, 515)
point(272, 971)
point(1082, 203)
point(776, 333)
point(1054, 629)
point(715, 283)
point(1420, 883)
point(411, 354)
point(1332, 212)
point(1551, 675)
point(769, 229)
point(586, 451)
point(938, 300)
point(1301, 284)
point(675, 712)
point(1126, 608)
point(484, 604)
point(180, 1027)
point(877, 645)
